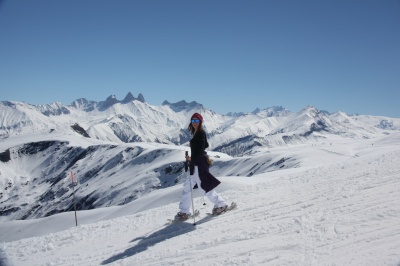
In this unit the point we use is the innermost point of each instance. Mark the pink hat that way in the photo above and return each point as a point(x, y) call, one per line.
point(198, 116)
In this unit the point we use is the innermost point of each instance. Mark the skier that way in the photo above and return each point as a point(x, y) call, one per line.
point(199, 172)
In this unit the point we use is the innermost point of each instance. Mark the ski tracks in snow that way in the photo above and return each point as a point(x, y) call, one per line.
point(342, 214)
point(345, 206)
point(339, 214)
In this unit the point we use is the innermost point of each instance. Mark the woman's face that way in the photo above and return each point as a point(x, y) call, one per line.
point(195, 123)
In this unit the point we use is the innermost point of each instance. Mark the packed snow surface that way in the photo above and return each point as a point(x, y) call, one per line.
point(336, 212)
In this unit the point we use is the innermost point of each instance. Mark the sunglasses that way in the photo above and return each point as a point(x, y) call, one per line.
point(195, 120)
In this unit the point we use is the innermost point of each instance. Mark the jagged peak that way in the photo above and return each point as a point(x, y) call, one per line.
point(53, 109)
point(111, 98)
point(310, 110)
point(235, 114)
point(128, 98)
point(8, 103)
point(339, 113)
point(140, 98)
point(53, 104)
point(183, 105)
point(86, 105)
point(110, 101)
point(325, 112)
point(80, 101)
point(269, 111)
point(309, 107)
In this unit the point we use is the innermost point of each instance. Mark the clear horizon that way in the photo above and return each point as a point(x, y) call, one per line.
point(230, 56)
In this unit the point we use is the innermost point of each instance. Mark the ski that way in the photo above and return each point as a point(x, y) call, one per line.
point(196, 213)
point(231, 207)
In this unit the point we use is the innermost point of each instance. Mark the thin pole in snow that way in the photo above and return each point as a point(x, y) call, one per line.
point(191, 188)
point(191, 193)
point(73, 196)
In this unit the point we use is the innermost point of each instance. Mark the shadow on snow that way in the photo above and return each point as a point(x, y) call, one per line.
point(147, 240)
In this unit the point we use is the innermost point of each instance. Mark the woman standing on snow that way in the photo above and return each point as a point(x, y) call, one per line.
point(199, 172)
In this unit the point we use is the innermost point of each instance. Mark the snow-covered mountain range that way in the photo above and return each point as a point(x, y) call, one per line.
point(122, 150)
point(134, 120)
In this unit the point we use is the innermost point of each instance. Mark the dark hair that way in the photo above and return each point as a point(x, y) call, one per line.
point(192, 129)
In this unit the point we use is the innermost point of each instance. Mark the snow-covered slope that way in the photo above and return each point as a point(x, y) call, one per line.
point(338, 207)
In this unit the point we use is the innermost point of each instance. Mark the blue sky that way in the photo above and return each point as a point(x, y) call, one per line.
point(229, 55)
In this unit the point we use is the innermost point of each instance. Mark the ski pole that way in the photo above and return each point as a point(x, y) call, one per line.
point(191, 194)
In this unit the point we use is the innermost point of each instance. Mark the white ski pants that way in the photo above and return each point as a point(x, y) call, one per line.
point(186, 199)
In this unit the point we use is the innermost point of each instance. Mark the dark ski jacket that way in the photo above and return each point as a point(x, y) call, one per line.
point(198, 144)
